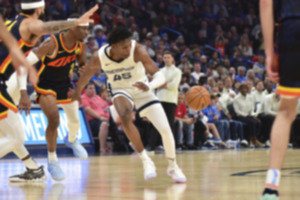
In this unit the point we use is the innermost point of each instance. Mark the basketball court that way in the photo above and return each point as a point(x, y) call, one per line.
point(226, 175)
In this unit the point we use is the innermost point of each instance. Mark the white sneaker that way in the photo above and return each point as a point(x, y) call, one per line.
point(244, 143)
point(149, 170)
point(176, 174)
point(268, 143)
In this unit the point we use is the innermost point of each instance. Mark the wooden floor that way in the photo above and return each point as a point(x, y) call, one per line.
point(217, 175)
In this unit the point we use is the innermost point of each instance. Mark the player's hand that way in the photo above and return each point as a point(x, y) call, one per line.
point(142, 86)
point(76, 97)
point(70, 92)
point(81, 70)
point(85, 18)
point(24, 103)
point(272, 67)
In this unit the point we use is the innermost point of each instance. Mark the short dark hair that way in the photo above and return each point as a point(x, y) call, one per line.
point(30, 11)
point(167, 52)
point(89, 83)
point(118, 34)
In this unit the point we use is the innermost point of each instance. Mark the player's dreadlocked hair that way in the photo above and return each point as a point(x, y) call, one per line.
point(118, 34)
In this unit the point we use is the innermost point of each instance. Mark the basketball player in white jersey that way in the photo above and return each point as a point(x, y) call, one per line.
point(125, 63)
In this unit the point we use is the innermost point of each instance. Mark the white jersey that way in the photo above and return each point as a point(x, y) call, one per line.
point(122, 74)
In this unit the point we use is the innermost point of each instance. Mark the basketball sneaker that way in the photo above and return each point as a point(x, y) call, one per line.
point(30, 175)
point(78, 150)
point(269, 194)
point(149, 169)
point(176, 174)
point(55, 170)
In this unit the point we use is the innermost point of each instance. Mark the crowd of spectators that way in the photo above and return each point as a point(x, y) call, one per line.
point(217, 44)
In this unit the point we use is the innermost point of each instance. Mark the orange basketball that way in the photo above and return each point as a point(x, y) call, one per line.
point(197, 98)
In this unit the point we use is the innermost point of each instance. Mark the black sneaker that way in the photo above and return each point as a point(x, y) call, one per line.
point(30, 175)
point(270, 194)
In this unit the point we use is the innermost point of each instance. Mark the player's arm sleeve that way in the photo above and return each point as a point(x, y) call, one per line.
point(157, 80)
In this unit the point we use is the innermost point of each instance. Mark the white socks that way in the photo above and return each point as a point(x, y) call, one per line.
point(273, 178)
point(30, 163)
point(144, 156)
point(52, 156)
point(172, 162)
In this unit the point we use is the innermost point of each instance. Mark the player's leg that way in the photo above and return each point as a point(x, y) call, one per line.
point(124, 108)
point(49, 107)
point(13, 88)
point(71, 110)
point(155, 113)
point(11, 131)
point(279, 141)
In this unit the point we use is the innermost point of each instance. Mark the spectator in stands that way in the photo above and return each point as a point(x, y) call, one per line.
point(184, 61)
point(269, 88)
point(97, 114)
point(185, 82)
point(168, 92)
point(269, 110)
point(197, 73)
point(258, 67)
point(213, 115)
point(243, 107)
point(99, 79)
point(100, 36)
point(250, 76)
point(240, 77)
point(245, 47)
point(257, 95)
point(184, 124)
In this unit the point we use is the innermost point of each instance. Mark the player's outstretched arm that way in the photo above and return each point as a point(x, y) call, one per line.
point(140, 54)
point(92, 66)
point(42, 28)
point(267, 22)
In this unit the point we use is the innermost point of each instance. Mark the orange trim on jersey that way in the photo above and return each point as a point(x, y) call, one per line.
point(56, 48)
point(271, 185)
point(26, 43)
point(44, 91)
point(3, 115)
point(7, 103)
point(7, 60)
point(288, 91)
point(63, 45)
point(64, 101)
point(4, 64)
point(41, 69)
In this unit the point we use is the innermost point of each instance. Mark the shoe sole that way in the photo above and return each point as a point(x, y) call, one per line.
point(150, 176)
point(28, 181)
point(175, 180)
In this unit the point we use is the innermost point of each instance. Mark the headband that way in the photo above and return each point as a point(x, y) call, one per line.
point(32, 5)
point(73, 19)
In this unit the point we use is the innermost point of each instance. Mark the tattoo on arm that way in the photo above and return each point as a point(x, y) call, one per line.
point(55, 26)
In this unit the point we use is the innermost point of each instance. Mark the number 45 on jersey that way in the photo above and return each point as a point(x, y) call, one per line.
point(118, 77)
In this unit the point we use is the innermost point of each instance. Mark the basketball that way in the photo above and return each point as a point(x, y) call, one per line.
point(197, 98)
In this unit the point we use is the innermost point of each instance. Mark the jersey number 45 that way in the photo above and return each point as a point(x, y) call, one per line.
point(118, 77)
